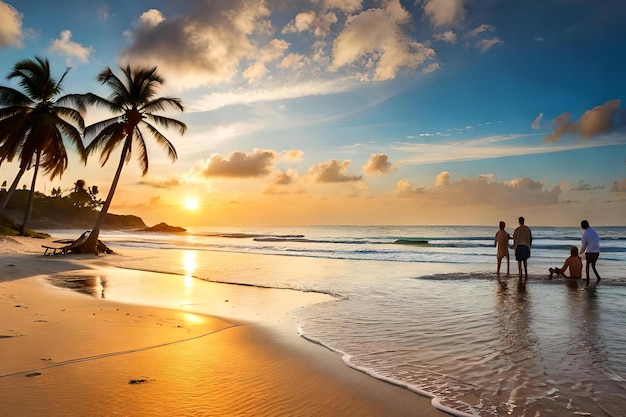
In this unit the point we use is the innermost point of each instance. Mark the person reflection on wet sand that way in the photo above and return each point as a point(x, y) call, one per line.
point(514, 312)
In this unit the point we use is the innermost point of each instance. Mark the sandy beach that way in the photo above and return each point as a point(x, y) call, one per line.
point(70, 353)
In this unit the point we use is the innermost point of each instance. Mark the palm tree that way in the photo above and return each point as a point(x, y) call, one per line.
point(133, 103)
point(33, 124)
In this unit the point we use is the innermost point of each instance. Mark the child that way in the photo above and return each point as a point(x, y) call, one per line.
point(501, 241)
point(574, 264)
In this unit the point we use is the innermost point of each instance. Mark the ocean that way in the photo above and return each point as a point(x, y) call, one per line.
point(421, 307)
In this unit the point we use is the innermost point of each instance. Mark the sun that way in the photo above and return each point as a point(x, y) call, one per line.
point(192, 204)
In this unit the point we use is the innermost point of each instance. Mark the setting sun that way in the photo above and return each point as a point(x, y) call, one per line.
point(192, 204)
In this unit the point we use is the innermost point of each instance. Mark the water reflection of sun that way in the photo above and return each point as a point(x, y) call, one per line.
point(189, 266)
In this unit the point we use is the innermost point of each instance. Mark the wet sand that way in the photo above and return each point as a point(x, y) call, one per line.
point(210, 350)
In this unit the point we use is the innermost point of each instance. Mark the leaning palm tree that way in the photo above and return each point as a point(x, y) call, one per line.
point(33, 124)
point(133, 104)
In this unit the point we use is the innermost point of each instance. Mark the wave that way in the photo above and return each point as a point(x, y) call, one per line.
point(249, 235)
point(303, 240)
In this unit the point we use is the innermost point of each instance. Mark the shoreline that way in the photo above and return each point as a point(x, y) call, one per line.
point(151, 360)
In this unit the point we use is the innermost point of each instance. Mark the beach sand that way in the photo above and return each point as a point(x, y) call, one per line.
point(69, 353)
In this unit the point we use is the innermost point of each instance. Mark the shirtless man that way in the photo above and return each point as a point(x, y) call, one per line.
point(522, 241)
point(501, 242)
point(574, 264)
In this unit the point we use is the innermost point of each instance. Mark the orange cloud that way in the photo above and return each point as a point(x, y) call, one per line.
point(378, 163)
point(600, 119)
point(331, 171)
point(238, 165)
point(160, 182)
point(294, 155)
point(404, 188)
point(283, 183)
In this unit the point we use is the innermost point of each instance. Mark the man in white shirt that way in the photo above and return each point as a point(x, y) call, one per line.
point(590, 246)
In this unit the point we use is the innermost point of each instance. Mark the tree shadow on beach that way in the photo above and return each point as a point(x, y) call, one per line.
point(25, 266)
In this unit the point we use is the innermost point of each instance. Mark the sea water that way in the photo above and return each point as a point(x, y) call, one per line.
point(421, 307)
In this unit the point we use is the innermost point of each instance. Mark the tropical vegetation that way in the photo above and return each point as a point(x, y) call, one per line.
point(33, 123)
point(71, 208)
point(133, 104)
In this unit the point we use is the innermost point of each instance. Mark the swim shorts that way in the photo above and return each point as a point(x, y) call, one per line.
point(522, 252)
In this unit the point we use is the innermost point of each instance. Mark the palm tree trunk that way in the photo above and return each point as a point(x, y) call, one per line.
point(9, 194)
point(29, 206)
point(91, 244)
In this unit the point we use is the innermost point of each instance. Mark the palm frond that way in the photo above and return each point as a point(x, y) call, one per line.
point(119, 97)
point(162, 141)
point(168, 122)
point(35, 78)
point(73, 134)
point(74, 101)
point(91, 99)
point(12, 97)
point(163, 103)
point(142, 152)
point(94, 130)
point(71, 114)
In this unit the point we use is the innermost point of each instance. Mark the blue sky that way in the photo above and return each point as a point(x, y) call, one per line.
point(356, 112)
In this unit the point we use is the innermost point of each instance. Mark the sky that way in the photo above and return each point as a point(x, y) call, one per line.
point(353, 112)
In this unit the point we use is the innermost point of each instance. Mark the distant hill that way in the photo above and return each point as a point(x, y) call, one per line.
point(60, 213)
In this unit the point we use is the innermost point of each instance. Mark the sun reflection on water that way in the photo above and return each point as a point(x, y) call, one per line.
point(189, 266)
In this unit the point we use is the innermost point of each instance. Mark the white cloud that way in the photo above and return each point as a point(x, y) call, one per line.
point(103, 12)
point(273, 50)
point(346, 6)
point(65, 46)
point(484, 148)
point(447, 36)
point(536, 124)
point(291, 61)
point(10, 26)
point(374, 39)
point(204, 46)
point(303, 22)
point(285, 91)
point(444, 12)
point(432, 67)
point(480, 29)
point(484, 45)
point(318, 24)
point(254, 72)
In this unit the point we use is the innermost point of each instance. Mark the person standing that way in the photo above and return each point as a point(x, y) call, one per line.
point(590, 247)
point(501, 242)
point(522, 241)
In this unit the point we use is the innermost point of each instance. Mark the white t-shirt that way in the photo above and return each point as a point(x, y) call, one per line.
point(590, 241)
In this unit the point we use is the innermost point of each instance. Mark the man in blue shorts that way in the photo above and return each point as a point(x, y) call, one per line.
point(522, 241)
